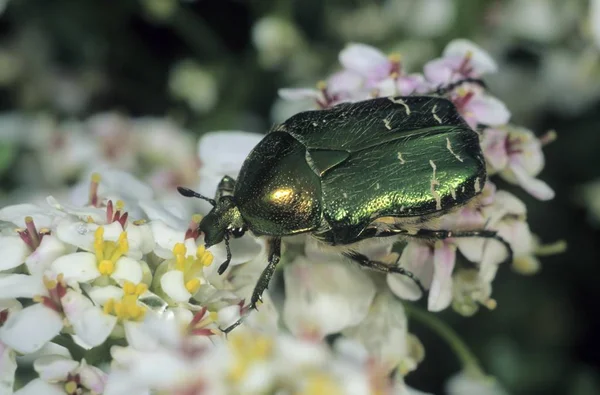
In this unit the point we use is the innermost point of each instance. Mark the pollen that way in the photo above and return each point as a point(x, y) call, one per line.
point(192, 267)
point(127, 309)
point(109, 252)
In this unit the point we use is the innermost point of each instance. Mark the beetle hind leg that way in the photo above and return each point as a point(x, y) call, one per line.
point(364, 261)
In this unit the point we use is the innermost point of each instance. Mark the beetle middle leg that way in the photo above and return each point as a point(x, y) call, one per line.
point(364, 261)
point(263, 280)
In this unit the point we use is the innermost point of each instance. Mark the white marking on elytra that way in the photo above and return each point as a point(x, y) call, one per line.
point(435, 116)
point(400, 158)
point(314, 124)
point(387, 124)
point(345, 195)
point(400, 101)
point(477, 185)
point(453, 193)
point(434, 183)
point(377, 186)
point(402, 208)
point(449, 146)
point(462, 189)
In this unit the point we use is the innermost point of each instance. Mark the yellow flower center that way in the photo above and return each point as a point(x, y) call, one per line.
point(394, 57)
point(248, 349)
point(192, 267)
point(71, 387)
point(127, 309)
point(109, 252)
point(321, 384)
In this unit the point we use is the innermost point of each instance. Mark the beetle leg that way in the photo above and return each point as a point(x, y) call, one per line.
point(265, 277)
point(263, 282)
point(447, 234)
point(364, 261)
point(225, 264)
point(442, 90)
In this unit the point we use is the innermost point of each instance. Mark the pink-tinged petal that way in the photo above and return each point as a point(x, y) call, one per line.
point(440, 293)
point(416, 258)
point(439, 71)
point(344, 82)
point(8, 367)
point(77, 267)
point(23, 332)
point(480, 61)
point(53, 368)
point(88, 321)
point(298, 93)
point(14, 252)
point(21, 286)
point(91, 377)
point(365, 60)
point(488, 110)
point(49, 249)
point(411, 84)
point(493, 145)
point(536, 188)
point(127, 269)
point(39, 386)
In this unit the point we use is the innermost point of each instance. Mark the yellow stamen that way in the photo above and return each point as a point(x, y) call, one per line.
point(127, 309)
point(247, 349)
point(322, 85)
point(89, 219)
point(394, 57)
point(106, 267)
point(109, 252)
point(192, 285)
point(139, 222)
point(196, 218)
point(71, 387)
point(119, 205)
point(96, 178)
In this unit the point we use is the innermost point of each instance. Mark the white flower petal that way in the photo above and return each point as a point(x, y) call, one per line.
point(100, 295)
point(49, 249)
point(77, 233)
point(137, 337)
point(43, 217)
point(89, 322)
point(440, 293)
point(165, 237)
point(39, 386)
point(466, 383)
point(127, 269)
point(481, 61)
point(8, 367)
point(172, 283)
point(158, 212)
point(23, 332)
point(21, 286)
point(14, 251)
point(97, 215)
point(225, 151)
point(387, 319)
point(53, 368)
point(416, 258)
point(324, 298)
point(77, 267)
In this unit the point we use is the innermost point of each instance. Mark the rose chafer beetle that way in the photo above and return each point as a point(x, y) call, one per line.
point(357, 171)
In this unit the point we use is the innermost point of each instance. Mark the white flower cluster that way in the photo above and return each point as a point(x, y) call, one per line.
point(119, 296)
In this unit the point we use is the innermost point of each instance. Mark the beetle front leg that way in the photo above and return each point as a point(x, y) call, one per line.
point(263, 281)
point(364, 261)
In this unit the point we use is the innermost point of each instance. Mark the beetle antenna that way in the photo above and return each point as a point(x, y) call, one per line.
point(225, 264)
point(189, 193)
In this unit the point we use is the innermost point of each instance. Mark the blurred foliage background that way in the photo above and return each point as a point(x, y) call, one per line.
point(217, 64)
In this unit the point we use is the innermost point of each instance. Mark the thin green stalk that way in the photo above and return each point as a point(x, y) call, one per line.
point(460, 348)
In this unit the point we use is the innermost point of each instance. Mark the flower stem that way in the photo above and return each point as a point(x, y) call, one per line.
point(460, 348)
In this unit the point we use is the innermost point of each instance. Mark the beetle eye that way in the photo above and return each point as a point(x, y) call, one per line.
point(238, 232)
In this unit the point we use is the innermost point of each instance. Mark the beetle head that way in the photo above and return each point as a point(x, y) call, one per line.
point(221, 222)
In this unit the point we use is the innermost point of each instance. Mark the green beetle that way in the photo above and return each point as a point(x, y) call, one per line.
point(376, 168)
